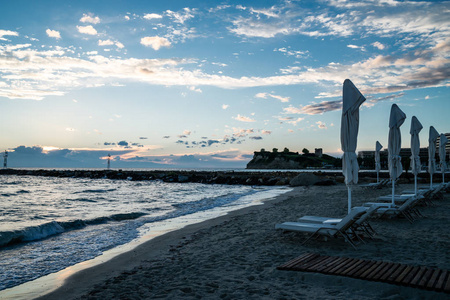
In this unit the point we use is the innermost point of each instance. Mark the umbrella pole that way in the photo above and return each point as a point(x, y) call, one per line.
point(393, 192)
point(349, 198)
point(431, 181)
point(415, 184)
point(378, 177)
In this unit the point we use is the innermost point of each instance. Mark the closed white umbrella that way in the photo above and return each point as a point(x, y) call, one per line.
point(351, 101)
point(378, 147)
point(442, 142)
point(432, 153)
point(416, 127)
point(396, 120)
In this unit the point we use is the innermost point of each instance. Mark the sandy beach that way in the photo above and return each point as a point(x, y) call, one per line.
point(235, 256)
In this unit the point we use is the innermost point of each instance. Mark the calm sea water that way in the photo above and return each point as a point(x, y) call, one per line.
point(48, 224)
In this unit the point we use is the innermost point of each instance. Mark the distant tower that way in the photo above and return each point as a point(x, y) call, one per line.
point(109, 161)
point(5, 159)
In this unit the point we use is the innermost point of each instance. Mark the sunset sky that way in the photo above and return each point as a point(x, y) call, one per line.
point(205, 83)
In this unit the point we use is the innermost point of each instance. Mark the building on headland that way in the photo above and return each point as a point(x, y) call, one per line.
point(318, 152)
point(287, 159)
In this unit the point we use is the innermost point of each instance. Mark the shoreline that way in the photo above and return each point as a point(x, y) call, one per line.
point(236, 255)
point(83, 281)
point(151, 231)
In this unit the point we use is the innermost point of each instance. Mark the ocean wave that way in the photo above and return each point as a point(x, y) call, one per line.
point(23, 192)
point(42, 231)
point(96, 191)
point(207, 203)
point(83, 200)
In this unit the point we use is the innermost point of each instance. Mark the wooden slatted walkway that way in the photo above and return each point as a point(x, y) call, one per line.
point(389, 272)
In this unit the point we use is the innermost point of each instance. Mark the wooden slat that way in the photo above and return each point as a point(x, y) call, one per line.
point(425, 278)
point(310, 265)
point(447, 285)
point(441, 280)
point(325, 263)
point(410, 276)
point(350, 269)
point(371, 269)
point(307, 257)
point(348, 265)
point(419, 275)
point(382, 271)
point(388, 273)
point(337, 268)
point(402, 275)
point(376, 270)
point(304, 257)
point(357, 268)
point(291, 263)
point(367, 266)
point(331, 265)
point(432, 282)
point(395, 273)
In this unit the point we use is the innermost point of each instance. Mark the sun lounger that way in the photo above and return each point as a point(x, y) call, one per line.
point(376, 185)
point(342, 228)
point(360, 225)
point(398, 199)
point(408, 209)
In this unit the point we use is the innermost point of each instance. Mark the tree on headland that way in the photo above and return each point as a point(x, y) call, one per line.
point(286, 150)
point(305, 151)
point(275, 150)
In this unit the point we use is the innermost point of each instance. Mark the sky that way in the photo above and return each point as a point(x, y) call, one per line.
point(204, 84)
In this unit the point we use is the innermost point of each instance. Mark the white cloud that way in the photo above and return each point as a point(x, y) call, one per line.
point(70, 129)
point(89, 18)
point(105, 42)
point(187, 132)
point(127, 18)
point(181, 16)
point(155, 42)
point(7, 32)
point(379, 45)
point(257, 28)
point(266, 132)
point(265, 95)
point(321, 125)
point(109, 42)
point(290, 52)
point(87, 30)
point(152, 16)
point(243, 119)
point(267, 12)
point(194, 89)
point(291, 120)
point(53, 33)
point(225, 106)
point(53, 72)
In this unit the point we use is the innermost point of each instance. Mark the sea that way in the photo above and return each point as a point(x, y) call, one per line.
point(48, 224)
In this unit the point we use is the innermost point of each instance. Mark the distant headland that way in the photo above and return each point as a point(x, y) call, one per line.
point(293, 160)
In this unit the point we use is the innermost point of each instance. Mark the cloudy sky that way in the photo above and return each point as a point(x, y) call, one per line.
point(204, 84)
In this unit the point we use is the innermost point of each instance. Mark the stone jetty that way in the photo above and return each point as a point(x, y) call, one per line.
point(270, 178)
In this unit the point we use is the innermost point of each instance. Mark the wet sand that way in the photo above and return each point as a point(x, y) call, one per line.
point(235, 256)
